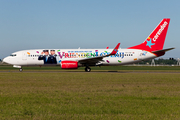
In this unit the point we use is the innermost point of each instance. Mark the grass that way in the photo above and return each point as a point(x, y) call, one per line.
point(69, 95)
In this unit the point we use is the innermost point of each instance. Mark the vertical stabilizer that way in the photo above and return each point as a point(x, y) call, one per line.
point(155, 41)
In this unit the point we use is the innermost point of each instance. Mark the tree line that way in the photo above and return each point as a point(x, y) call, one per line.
point(161, 61)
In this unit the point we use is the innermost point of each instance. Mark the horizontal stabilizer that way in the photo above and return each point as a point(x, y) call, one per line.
point(161, 52)
point(164, 50)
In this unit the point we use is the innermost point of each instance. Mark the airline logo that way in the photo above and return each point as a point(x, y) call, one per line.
point(149, 43)
point(160, 31)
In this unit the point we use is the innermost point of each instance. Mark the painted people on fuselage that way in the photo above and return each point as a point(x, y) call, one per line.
point(53, 57)
point(48, 59)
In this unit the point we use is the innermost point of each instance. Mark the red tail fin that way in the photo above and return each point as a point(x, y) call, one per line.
point(156, 39)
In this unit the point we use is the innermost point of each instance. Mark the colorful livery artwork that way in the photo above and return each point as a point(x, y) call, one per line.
point(151, 48)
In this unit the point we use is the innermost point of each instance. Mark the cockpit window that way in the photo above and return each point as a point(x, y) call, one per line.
point(13, 55)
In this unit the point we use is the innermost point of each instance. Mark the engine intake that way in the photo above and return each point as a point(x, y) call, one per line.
point(69, 65)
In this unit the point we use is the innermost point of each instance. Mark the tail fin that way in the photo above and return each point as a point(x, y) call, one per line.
point(155, 40)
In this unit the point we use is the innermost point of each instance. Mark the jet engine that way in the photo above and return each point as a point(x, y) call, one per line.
point(69, 65)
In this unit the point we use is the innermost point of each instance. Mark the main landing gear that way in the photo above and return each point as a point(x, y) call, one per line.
point(87, 69)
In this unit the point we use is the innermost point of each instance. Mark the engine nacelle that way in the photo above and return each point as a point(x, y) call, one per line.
point(69, 65)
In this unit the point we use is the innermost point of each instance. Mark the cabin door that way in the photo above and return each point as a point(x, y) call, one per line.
point(24, 56)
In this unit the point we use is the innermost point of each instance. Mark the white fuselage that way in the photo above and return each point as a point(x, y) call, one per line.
point(122, 57)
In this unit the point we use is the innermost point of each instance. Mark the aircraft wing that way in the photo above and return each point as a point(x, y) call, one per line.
point(99, 58)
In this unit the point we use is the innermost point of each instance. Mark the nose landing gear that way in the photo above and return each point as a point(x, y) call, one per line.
point(20, 70)
point(20, 67)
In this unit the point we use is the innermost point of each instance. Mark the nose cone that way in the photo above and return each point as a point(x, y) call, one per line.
point(6, 60)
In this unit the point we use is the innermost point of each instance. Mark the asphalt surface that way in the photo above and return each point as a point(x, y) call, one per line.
point(51, 71)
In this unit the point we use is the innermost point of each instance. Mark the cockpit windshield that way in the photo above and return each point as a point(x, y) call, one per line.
point(13, 55)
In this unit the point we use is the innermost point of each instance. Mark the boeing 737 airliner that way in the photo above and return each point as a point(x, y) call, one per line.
point(151, 48)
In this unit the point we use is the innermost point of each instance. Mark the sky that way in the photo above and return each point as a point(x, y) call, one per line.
point(70, 24)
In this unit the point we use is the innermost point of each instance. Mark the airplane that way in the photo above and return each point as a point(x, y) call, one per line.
point(151, 48)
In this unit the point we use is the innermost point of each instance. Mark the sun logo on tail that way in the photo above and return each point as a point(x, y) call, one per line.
point(149, 43)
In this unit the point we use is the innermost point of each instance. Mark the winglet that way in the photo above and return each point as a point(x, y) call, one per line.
point(115, 49)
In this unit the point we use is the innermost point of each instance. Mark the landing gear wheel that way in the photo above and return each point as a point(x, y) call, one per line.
point(20, 70)
point(88, 69)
